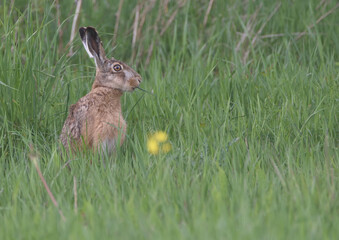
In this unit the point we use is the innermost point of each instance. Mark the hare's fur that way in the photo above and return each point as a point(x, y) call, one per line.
point(96, 121)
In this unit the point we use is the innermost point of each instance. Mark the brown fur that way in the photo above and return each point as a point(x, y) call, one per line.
point(96, 120)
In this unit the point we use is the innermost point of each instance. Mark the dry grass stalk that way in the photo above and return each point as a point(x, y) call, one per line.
point(149, 54)
point(34, 158)
point(322, 4)
point(254, 39)
point(264, 24)
point(169, 21)
point(155, 30)
point(74, 24)
point(135, 25)
point(117, 20)
point(277, 171)
point(248, 157)
point(172, 17)
point(143, 10)
point(75, 195)
point(318, 21)
point(165, 5)
point(164, 26)
point(208, 11)
point(272, 35)
point(248, 29)
point(276, 35)
point(135, 29)
point(60, 32)
point(143, 15)
point(139, 55)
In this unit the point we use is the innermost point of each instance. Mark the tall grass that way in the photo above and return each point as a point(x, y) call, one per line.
point(254, 139)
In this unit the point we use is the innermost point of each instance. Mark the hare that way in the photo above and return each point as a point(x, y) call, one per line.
point(96, 121)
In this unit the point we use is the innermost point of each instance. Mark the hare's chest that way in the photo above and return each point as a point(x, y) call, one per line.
point(113, 131)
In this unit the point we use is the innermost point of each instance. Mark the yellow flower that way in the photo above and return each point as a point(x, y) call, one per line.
point(166, 147)
point(153, 146)
point(157, 143)
point(160, 136)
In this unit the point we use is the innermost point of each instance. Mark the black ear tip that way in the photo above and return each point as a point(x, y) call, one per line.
point(82, 32)
point(92, 31)
point(91, 28)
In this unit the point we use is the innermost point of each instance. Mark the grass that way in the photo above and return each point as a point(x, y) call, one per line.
point(254, 141)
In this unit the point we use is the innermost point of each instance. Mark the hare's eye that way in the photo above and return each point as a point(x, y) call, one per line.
point(117, 67)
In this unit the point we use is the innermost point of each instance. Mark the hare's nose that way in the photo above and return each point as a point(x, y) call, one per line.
point(139, 78)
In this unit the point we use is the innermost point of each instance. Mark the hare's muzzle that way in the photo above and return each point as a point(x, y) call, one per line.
point(134, 82)
point(138, 78)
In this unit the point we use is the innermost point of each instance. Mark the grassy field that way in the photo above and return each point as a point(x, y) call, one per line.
point(247, 91)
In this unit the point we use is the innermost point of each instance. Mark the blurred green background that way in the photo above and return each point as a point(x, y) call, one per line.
point(247, 92)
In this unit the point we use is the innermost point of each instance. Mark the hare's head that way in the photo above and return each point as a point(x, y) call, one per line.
point(110, 73)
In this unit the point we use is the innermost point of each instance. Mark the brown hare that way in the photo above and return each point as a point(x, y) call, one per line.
point(96, 121)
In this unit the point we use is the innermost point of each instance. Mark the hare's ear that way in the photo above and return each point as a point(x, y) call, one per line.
point(91, 41)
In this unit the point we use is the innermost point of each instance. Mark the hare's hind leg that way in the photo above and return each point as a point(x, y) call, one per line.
point(108, 146)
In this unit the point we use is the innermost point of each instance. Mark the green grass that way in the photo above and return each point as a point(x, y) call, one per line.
point(254, 144)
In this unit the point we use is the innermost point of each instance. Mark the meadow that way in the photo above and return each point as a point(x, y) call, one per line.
point(247, 92)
